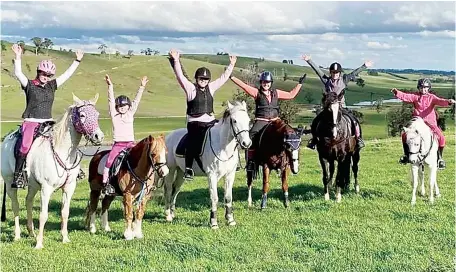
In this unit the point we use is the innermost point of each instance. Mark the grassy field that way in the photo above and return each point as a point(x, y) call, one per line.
point(376, 230)
point(164, 96)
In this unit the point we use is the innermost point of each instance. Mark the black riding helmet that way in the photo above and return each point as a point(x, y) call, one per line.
point(203, 72)
point(266, 76)
point(122, 100)
point(423, 82)
point(336, 67)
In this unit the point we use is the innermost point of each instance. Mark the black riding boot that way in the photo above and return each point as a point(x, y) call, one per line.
point(188, 174)
point(20, 179)
point(405, 158)
point(109, 189)
point(440, 161)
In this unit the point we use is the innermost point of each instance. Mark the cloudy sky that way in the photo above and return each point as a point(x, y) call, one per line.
point(419, 35)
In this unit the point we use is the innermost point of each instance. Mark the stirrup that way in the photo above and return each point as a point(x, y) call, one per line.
point(441, 164)
point(188, 174)
point(403, 160)
point(109, 190)
point(311, 144)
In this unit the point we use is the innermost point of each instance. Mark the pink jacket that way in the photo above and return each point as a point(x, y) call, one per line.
point(424, 104)
point(122, 124)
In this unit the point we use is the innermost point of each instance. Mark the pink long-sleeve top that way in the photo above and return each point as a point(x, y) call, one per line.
point(190, 89)
point(253, 92)
point(423, 104)
point(122, 124)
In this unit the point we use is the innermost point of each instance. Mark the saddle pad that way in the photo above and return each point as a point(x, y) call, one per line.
point(102, 163)
point(115, 167)
point(182, 146)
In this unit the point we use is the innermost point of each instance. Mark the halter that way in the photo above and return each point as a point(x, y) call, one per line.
point(421, 158)
point(235, 137)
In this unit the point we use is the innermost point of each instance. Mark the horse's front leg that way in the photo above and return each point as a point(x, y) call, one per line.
point(415, 169)
point(432, 182)
point(249, 186)
point(12, 193)
point(421, 179)
point(284, 174)
point(266, 172)
point(128, 214)
point(68, 192)
point(105, 203)
point(139, 216)
point(46, 192)
point(229, 181)
point(32, 190)
point(212, 180)
point(325, 179)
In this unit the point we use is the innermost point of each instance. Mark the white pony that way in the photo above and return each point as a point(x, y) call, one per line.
point(423, 150)
point(52, 163)
point(219, 159)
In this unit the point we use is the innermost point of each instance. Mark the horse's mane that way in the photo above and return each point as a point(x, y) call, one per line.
point(280, 126)
point(416, 123)
point(61, 127)
point(237, 106)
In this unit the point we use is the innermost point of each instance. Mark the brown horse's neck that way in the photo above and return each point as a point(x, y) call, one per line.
point(139, 158)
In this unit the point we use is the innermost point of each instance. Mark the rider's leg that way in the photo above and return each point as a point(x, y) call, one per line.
point(193, 137)
point(405, 158)
point(356, 128)
point(115, 150)
point(28, 132)
point(253, 133)
point(313, 128)
point(441, 140)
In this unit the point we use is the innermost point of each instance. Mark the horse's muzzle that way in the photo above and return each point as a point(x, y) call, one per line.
point(97, 137)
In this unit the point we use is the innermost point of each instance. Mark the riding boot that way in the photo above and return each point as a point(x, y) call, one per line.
point(312, 143)
point(20, 179)
point(440, 161)
point(108, 189)
point(188, 174)
point(405, 158)
point(250, 153)
point(359, 143)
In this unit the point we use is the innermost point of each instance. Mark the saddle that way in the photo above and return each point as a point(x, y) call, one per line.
point(115, 167)
point(185, 142)
point(43, 129)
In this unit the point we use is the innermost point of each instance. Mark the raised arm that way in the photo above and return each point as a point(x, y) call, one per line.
point(69, 72)
point(406, 97)
point(442, 102)
point(317, 70)
point(252, 91)
point(18, 66)
point(186, 85)
point(111, 99)
point(352, 76)
point(282, 95)
point(135, 103)
point(216, 84)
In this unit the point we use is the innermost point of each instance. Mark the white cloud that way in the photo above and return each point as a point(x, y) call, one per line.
point(438, 34)
point(14, 16)
point(379, 45)
point(425, 14)
point(368, 11)
point(331, 37)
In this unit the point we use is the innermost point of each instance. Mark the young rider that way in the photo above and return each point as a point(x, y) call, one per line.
point(39, 94)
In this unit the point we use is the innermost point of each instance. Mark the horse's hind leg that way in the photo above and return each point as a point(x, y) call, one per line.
point(92, 209)
point(356, 158)
point(212, 180)
point(32, 190)
point(415, 173)
point(12, 193)
point(68, 191)
point(229, 181)
point(284, 176)
point(432, 182)
point(46, 192)
point(105, 203)
point(176, 189)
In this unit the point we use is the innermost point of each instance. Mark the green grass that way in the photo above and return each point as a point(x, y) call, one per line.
point(376, 230)
point(164, 96)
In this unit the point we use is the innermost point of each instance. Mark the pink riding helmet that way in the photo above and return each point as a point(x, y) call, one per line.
point(46, 66)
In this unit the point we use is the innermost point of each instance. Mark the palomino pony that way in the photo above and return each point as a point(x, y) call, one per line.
point(52, 163)
point(422, 150)
point(336, 142)
point(277, 148)
point(219, 159)
point(135, 180)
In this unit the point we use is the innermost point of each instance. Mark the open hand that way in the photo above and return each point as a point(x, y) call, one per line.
point(305, 57)
point(79, 54)
point(144, 81)
point(233, 60)
point(368, 63)
point(174, 54)
point(17, 49)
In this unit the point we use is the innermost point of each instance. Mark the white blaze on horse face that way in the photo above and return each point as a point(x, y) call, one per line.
point(164, 169)
point(335, 111)
point(413, 141)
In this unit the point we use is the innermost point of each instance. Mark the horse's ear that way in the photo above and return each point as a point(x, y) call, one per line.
point(341, 95)
point(230, 106)
point(150, 138)
point(77, 101)
point(94, 100)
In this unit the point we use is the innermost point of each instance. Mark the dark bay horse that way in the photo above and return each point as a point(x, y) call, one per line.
point(277, 148)
point(134, 181)
point(336, 142)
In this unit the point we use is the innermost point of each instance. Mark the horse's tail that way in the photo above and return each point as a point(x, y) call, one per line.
point(3, 217)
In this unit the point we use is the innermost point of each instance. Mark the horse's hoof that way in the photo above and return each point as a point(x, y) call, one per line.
point(65, 240)
point(32, 234)
point(128, 236)
point(93, 230)
point(338, 198)
point(107, 229)
point(17, 238)
point(438, 196)
point(214, 227)
point(232, 223)
point(413, 203)
point(263, 207)
point(39, 246)
point(326, 197)
point(139, 235)
point(357, 189)
point(169, 218)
